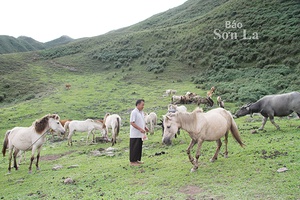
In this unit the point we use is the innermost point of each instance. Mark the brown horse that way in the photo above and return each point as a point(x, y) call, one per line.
point(210, 126)
point(68, 86)
point(203, 100)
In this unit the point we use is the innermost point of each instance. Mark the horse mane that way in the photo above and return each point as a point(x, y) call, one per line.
point(105, 116)
point(101, 121)
point(41, 124)
point(189, 119)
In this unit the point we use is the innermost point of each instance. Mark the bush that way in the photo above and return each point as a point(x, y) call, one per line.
point(2, 97)
point(28, 97)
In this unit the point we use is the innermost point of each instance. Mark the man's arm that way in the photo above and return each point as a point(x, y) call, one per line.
point(137, 127)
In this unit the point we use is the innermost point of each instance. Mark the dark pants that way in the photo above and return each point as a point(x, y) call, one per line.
point(135, 149)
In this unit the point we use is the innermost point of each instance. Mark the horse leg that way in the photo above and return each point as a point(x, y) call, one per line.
point(226, 142)
point(94, 141)
point(66, 132)
point(9, 160)
point(38, 158)
point(106, 134)
point(15, 158)
point(22, 157)
point(32, 158)
point(264, 121)
point(188, 151)
point(273, 122)
point(215, 157)
point(70, 138)
point(113, 136)
point(151, 127)
point(197, 156)
point(87, 139)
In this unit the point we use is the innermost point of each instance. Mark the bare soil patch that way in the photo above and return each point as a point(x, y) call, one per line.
point(191, 190)
point(55, 157)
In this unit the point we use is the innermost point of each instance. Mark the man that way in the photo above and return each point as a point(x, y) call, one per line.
point(137, 133)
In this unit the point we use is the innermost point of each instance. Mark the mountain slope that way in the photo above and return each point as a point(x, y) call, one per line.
point(9, 44)
point(59, 41)
point(33, 43)
point(183, 44)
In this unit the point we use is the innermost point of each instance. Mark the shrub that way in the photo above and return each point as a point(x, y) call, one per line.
point(2, 97)
point(28, 97)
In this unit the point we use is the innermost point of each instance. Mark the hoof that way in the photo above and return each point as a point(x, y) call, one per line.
point(37, 168)
point(193, 170)
point(225, 156)
point(212, 159)
point(29, 172)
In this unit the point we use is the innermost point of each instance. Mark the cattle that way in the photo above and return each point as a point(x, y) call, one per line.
point(273, 105)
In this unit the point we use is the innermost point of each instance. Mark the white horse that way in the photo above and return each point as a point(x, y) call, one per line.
point(151, 119)
point(88, 125)
point(114, 122)
point(170, 91)
point(210, 126)
point(30, 138)
point(175, 108)
point(177, 99)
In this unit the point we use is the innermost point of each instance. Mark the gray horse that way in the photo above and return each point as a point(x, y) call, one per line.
point(273, 105)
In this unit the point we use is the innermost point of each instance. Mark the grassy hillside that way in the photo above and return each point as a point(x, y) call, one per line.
point(171, 50)
point(249, 172)
point(192, 39)
point(10, 44)
point(59, 41)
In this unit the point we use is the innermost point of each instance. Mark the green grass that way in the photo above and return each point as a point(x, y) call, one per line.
point(109, 73)
point(248, 173)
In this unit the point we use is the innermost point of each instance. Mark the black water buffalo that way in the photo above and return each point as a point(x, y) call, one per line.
point(273, 105)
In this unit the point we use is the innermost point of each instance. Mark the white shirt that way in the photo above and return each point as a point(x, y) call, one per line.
point(138, 118)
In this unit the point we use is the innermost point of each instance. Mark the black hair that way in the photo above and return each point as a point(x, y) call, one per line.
point(139, 101)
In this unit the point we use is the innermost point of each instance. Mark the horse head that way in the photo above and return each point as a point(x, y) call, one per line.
point(50, 122)
point(55, 124)
point(170, 128)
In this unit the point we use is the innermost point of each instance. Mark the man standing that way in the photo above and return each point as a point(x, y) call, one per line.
point(137, 133)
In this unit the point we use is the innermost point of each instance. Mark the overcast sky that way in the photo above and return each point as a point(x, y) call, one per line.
point(45, 20)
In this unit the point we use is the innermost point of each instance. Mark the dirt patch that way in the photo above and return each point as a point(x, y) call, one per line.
point(56, 156)
point(272, 154)
point(191, 190)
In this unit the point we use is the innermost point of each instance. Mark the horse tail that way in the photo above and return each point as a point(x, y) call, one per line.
point(118, 126)
point(115, 134)
point(5, 142)
point(235, 132)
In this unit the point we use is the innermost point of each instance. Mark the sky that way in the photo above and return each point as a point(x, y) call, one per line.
point(45, 20)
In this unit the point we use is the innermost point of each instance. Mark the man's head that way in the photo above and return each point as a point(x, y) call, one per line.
point(140, 104)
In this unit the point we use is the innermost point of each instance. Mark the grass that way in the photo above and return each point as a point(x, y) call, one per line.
point(247, 173)
point(109, 73)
